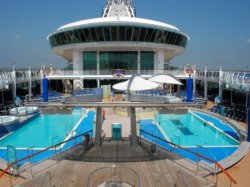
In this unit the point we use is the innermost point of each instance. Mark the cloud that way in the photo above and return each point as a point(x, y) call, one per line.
point(248, 41)
point(18, 37)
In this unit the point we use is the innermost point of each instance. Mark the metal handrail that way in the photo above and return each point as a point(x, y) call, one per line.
point(198, 155)
point(39, 152)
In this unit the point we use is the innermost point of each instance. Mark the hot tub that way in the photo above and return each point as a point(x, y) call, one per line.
point(8, 124)
point(24, 110)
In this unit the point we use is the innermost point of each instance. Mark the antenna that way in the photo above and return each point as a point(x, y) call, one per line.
point(118, 8)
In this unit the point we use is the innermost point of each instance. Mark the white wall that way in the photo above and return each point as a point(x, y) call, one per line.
point(158, 62)
point(77, 65)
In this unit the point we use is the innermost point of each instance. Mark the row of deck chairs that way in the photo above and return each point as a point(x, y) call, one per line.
point(82, 93)
point(238, 114)
point(152, 92)
point(245, 76)
point(196, 99)
point(52, 97)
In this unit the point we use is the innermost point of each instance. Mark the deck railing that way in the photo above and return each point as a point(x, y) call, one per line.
point(12, 168)
point(218, 168)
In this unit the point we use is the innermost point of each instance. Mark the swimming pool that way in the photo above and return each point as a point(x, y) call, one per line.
point(45, 131)
point(189, 130)
point(40, 132)
point(195, 131)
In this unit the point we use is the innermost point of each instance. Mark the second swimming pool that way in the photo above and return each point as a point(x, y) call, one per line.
point(192, 130)
point(196, 131)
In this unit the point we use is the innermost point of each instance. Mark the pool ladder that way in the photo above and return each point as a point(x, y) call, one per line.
point(211, 154)
point(59, 140)
point(69, 128)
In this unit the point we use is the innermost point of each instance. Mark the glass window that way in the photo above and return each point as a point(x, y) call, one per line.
point(154, 35)
point(168, 39)
point(107, 33)
point(129, 31)
point(72, 37)
point(60, 39)
point(99, 33)
point(136, 33)
point(89, 60)
point(77, 35)
point(147, 60)
point(93, 35)
point(118, 60)
point(142, 34)
point(114, 33)
point(87, 35)
point(158, 36)
point(173, 36)
point(178, 39)
point(148, 35)
point(163, 36)
point(118, 33)
point(122, 33)
point(66, 38)
point(82, 36)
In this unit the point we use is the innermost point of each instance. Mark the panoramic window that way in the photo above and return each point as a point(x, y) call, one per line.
point(118, 33)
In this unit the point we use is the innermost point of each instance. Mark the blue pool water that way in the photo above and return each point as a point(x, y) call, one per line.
point(216, 142)
point(188, 130)
point(39, 133)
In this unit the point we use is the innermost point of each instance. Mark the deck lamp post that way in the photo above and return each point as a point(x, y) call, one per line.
point(30, 84)
point(2, 82)
point(14, 82)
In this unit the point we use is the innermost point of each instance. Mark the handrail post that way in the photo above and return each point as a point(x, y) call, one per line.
point(30, 160)
point(216, 175)
point(140, 137)
point(198, 165)
point(10, 178)
point(75, 137)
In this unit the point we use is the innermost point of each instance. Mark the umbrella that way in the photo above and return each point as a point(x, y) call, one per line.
point(168, 79)
point(135, 83)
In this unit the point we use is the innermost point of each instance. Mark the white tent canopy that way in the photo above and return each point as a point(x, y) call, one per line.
point(163, 78)
point(135, 83)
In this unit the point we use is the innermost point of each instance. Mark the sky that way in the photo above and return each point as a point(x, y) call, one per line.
point(219, 30)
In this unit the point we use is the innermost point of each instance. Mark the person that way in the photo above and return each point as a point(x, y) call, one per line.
point(112, 96)
point(123, 97)
point(217, 100)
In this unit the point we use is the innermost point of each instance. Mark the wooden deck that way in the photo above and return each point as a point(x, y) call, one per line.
point(115, 161)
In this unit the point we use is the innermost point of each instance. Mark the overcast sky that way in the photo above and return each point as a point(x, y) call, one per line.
point(219, 30)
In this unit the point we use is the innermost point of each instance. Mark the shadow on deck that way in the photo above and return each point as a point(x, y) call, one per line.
point(110, 151)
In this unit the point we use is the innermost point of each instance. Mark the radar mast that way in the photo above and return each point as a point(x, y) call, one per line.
point(118, 8)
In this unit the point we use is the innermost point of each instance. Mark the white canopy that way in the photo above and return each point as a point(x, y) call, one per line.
point(165, 79)
point(137, 83)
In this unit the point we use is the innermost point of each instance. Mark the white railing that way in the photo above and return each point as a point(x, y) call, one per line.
point(232, 79)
